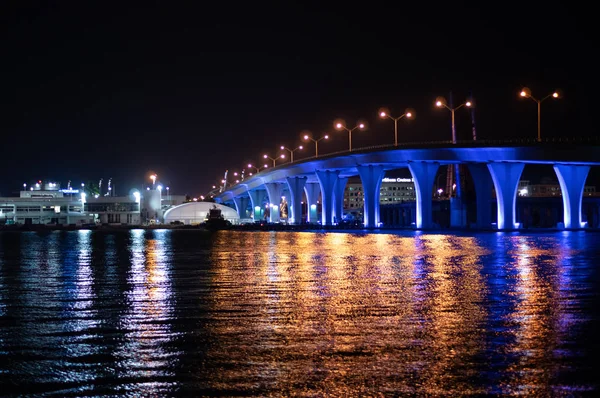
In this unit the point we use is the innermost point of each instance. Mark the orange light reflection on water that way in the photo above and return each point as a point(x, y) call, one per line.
point(302, 304)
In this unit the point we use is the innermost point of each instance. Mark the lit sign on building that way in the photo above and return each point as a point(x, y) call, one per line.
point(386, 179)
point(69, 190)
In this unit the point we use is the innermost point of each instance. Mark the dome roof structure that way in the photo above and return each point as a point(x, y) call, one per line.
point(197, 212)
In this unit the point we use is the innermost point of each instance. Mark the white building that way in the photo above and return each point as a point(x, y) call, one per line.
point(44, 204)
point(192, 213)
point(115, 210)
point(47, 203)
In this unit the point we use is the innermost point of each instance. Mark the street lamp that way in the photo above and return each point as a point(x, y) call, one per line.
point(153, 178)
point(340, 126)
point(250, 166)
point(526, 93)
point(309, 138)
point(408, 113)
point(168, 198)
point(24, 186)
point(440, 102)
point(282, 156)
point(291, 151)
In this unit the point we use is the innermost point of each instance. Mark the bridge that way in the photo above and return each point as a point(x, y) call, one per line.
point(492, 164)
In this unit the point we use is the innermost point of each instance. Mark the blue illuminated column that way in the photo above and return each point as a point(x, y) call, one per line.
point(274, 190)
point(506, 181)
point(327, 181)
point(371, 177)
point(296, 188)
point(572, 182)
point(338, 198)
point(482, 180)
point(257, 197)
point(423, 174)
point(312, 191)
point(241, 205)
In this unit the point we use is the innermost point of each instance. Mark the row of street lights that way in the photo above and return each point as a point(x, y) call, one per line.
point(409, 113)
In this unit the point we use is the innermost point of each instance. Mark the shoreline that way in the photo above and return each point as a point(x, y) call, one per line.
point(272, 227)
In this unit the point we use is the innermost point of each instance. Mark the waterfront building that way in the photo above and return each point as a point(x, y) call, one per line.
point(114, 210)
point(44, 204)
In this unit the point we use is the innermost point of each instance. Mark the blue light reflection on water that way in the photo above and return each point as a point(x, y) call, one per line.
point(187, 313)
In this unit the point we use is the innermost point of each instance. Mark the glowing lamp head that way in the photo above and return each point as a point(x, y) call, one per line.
point(237, 181)
point(159, 188)
point(306, 137)
point(408, 115)
point(265, 156)
point(300, 147)
point(282, 156)
point(439, 104)
point(339, 126)
point(555, 94)
point(265, 165)
point(326, 137)
point(382, 114)
point(361, 126)
point(525, 92)
point(282, 147)
point(235, 173)
point(249, 164)
point(468, 104)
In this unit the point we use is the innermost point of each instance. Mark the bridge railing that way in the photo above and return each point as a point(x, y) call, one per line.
point(530, 141)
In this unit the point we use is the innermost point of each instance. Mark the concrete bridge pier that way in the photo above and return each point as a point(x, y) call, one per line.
point(296, 187)
point(338, 198)
point(241, 205)
point(371, 177)
point(506, 181)
point(327, 180)
point(572, 181)
point(274, 190)
point(423, 174)
point(482, 179)
point(257, 197)
point(312, 191)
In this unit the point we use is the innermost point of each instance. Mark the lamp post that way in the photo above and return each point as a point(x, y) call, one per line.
point(168, 197)
point(526, 93)
point(153, 178)
point(340, 126)
point(440, 102)
point(291, 151)
point(309, 138)
point(408, 113)
point(282, 156)
point(250, 166)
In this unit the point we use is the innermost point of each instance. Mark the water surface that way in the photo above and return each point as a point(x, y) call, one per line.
point(186, 313)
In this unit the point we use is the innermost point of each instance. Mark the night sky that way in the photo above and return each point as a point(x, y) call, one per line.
point(96, 90)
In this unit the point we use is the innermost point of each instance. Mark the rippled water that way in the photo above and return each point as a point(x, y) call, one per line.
point(186, 313)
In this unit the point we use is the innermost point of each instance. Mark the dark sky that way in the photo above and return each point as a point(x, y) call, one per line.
point(113, 89)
